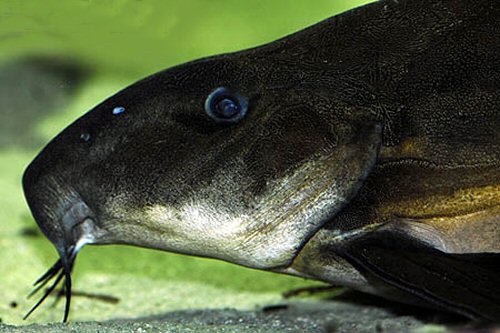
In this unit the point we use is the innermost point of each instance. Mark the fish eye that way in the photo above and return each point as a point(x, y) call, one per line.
point(224, 106)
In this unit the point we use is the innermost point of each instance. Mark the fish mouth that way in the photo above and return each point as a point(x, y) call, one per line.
point(78, 229)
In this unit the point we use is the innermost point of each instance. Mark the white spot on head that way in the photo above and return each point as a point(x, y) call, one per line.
point(117, 110)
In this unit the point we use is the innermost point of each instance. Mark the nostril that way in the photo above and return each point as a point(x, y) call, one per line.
point(85, 137)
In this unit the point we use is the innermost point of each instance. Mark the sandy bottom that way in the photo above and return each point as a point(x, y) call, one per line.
point(312, 316)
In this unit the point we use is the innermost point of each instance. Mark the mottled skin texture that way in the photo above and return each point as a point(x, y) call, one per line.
point(379, 124)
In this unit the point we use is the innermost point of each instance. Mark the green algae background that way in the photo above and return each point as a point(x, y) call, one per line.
point(95, 48)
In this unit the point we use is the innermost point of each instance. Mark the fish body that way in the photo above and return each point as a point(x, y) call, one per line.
point(362, 151)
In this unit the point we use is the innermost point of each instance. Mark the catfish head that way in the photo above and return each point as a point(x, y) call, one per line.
point(226, 157)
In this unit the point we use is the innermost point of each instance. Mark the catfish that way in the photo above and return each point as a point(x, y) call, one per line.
point(363, 151)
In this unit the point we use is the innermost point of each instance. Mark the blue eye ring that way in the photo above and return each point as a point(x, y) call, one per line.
point(224, 106)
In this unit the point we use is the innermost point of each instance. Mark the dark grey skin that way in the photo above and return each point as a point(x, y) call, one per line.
point(369, 157)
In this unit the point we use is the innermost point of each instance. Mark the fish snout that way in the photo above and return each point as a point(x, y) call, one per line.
point(59, 210)
point(65, 219)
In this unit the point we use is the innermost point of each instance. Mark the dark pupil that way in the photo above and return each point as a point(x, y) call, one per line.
point(227, 108)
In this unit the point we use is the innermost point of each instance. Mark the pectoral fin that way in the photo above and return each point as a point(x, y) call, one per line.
point(476, 232)
point(467, 284)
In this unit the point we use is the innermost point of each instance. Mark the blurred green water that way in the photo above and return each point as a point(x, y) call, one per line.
point(137, 37)
point(114, 43)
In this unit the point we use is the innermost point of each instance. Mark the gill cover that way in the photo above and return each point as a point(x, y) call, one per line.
point(298, 203)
